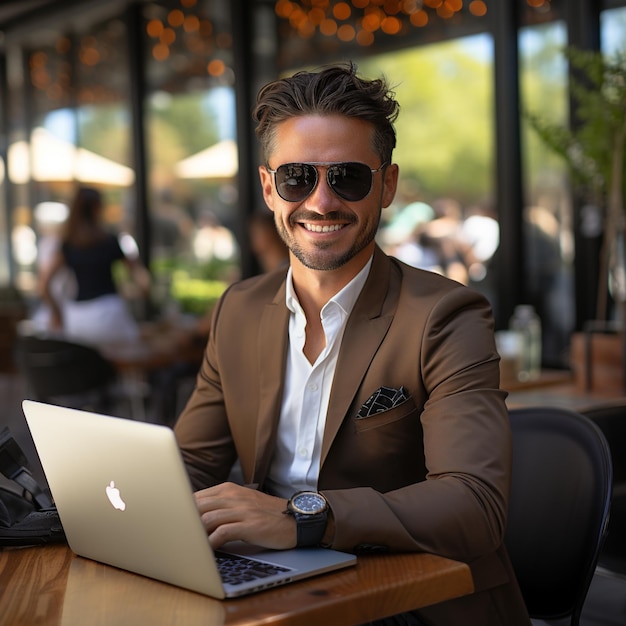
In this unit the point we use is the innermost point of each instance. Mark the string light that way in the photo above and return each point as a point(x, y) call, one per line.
point(185, 27)
point(362, 20)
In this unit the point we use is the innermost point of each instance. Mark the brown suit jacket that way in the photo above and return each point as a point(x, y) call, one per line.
point(431, 474)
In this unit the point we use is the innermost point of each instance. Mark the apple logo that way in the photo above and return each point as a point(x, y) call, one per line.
point(113, 494)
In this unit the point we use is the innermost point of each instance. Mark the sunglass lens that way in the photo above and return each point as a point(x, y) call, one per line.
point(295, 181)
point(350, 181)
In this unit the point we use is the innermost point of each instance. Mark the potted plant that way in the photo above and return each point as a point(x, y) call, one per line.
point(593, 149)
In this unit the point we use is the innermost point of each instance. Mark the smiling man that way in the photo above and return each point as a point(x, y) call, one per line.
point(370, 386)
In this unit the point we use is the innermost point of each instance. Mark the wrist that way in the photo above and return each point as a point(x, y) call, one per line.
point(310, 511)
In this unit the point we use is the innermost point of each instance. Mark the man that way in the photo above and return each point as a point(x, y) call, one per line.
point(352, 375)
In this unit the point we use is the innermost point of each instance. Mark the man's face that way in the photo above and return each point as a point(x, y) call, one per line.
point(323, 230)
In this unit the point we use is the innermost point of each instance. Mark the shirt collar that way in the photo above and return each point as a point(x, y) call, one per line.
point(346, 298)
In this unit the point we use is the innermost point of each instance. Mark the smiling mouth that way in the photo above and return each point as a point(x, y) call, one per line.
point(316, 228)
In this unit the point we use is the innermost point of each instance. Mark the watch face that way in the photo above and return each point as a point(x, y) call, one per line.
point(309, 503)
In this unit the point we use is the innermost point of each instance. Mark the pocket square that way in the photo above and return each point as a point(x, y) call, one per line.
point(381, 400)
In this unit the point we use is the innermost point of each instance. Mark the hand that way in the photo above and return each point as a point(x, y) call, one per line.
point(231, 512)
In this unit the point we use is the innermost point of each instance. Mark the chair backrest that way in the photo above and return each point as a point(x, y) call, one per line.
point(55, 367)
point(611, 419)
point(558, 509)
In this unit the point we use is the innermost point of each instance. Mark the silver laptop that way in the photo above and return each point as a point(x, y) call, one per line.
point(124, 499)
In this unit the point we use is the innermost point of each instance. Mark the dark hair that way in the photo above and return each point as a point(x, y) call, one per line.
point(84, 212)
point(332, 90)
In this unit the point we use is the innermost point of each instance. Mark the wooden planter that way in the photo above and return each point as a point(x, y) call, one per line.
point(597, 360)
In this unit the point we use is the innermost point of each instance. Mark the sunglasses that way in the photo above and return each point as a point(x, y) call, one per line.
point(350, 181)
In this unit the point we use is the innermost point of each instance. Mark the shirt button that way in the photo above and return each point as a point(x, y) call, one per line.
point(312, 387)
point(303, 452)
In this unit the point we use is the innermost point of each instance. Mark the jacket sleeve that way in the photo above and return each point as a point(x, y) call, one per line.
point(202, 429)
point(460, 509)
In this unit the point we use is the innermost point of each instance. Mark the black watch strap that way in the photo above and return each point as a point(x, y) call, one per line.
point(310, 529)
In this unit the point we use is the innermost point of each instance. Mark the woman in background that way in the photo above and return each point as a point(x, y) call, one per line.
point(98, 313)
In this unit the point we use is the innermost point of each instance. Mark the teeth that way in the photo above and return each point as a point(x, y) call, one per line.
point(323, 229)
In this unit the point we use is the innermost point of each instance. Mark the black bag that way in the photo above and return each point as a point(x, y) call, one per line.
point(27, 515)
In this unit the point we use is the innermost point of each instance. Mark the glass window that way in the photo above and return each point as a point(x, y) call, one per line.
point(192, 153)
point(612, 290)
point(613, 31)
point(77, 130)
point(443, 217)
point(548, 234)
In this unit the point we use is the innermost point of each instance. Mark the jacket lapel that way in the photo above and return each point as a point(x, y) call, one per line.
point(272, 352)
point(369, 321)
point(368, 324)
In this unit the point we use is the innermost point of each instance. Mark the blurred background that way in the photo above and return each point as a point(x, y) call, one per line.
point(149, 101)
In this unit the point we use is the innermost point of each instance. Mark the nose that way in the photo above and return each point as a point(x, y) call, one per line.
point(323, 199)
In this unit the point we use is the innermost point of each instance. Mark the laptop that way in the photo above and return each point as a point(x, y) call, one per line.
point(124, 499)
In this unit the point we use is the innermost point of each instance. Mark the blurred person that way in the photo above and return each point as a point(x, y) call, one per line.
point(444, 235)
point(213, 240)
point(268, 248)
point(551, 283)
point(49, 217)
point(97, 313)
point(481, 231)
point(434, 243)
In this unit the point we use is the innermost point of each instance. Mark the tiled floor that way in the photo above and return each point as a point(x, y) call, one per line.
point(605, 604)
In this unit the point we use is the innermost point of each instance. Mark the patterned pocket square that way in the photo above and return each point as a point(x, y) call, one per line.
point(381, 400)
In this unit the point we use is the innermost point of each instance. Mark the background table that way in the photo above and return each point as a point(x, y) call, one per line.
point(49, 586)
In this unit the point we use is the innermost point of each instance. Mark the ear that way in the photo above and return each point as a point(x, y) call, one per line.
point(390, 184)
point(267, 187)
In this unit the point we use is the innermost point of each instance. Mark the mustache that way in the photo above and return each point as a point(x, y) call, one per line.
point(310, 216)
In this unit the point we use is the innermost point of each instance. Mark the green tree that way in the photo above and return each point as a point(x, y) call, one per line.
point(594, 147)
point(445, 134)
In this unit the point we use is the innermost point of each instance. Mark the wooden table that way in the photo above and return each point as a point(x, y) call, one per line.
point(568, 396)
point(160, 344)
point(49, 586)
point(559, 388)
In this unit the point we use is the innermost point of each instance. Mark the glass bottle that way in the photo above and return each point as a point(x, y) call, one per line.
point(527, 323)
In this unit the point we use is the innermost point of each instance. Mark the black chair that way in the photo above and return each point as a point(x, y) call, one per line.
point(559, 508)
point(611, 419)
point(58, 371)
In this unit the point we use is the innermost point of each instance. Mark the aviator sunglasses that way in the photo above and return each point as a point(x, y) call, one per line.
point(296, 181)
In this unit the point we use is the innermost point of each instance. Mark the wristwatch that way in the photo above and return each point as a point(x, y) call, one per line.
point(310, 510)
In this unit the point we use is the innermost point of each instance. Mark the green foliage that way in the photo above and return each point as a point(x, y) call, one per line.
point(594, 147)
point(589, 148)
point(104, 129)
point(194, 287)
point(445, 127)
point(188, 122)
point(196, 296)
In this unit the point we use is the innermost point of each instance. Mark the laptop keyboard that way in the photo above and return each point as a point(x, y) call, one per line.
point(235, 569)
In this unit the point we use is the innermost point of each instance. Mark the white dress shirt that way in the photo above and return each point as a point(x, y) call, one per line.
point(296, 461)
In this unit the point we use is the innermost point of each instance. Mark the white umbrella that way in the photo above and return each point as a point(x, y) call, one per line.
point(53, 159)
point(218, 161)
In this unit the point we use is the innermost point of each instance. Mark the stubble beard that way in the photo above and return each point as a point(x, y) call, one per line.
point(322, 257)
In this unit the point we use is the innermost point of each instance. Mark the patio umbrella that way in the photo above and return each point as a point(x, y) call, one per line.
point(53, 159)
point(218, 161)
